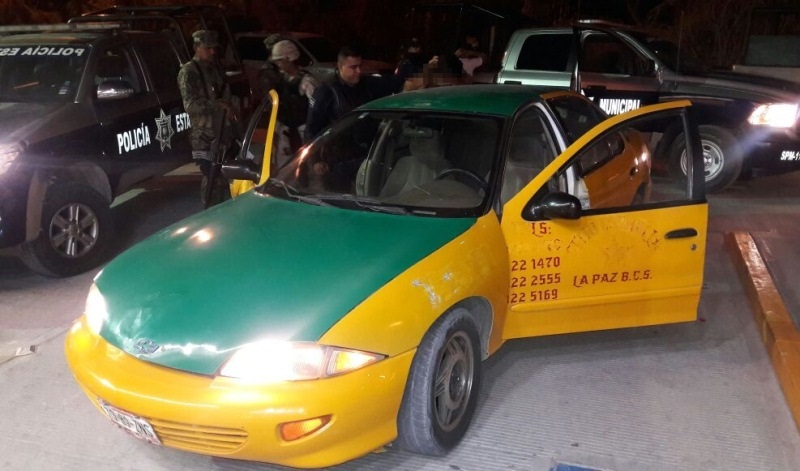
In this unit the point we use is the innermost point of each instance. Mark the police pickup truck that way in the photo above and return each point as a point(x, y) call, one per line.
point(747, 123)
point(86, 112)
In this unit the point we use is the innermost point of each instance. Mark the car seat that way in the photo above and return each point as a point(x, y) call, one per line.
point(527, 157)
point(426, 161)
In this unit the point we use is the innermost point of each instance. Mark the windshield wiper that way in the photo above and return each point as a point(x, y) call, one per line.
point(292, 193)
point(365, 203)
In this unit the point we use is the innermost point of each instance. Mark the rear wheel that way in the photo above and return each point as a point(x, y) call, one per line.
point(76, 228)
point(442, 388)
point(722, 157)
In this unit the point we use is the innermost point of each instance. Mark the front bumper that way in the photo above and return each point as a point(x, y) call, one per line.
point(774, 150)
point(228, 418)
point(14, 188)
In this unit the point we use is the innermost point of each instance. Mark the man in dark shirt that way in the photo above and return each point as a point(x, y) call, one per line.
point(348, 90)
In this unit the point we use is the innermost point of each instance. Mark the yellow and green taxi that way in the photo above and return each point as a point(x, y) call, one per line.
point(347, 302)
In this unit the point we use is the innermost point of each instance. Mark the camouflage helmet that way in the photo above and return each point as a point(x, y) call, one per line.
point(206, 38)
point(272, 39)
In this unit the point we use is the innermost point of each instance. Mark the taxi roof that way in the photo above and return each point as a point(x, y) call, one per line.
point(494, 99)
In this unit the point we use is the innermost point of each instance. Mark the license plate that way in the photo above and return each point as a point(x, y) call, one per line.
point(137, 426)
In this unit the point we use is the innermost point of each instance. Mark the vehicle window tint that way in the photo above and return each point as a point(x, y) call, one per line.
point(545, 52)
point(576, 115)
point(41, 78)
point(114, 64)
point(530, 149)
point(628, 167)
point(162, 61)
point(605, 54)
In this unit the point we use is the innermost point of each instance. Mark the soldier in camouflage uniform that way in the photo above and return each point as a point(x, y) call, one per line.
point(202, 86)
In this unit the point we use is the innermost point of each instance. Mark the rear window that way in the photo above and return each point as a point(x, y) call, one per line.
point(545, 52)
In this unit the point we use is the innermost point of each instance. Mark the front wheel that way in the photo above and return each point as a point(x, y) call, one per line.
point(722, 157)
point(76, 228)
point(442, 388)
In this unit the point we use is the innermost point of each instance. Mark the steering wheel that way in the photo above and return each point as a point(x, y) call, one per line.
point(482, 185)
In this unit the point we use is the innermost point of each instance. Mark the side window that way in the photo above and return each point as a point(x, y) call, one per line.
point(616, 171)
point(530, 149)
point(545, 52)
point(163, 62)
point(115, 64)
point(576, 115)
point(602, 53)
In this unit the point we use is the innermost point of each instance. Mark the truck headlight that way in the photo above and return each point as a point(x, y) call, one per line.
point(777, 115)
point(273, 361)
point(8, 153)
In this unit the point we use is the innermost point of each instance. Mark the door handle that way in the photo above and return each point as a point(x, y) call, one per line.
point(681, 233)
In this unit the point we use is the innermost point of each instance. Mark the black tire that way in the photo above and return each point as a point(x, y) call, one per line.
point(442, 387)
point(75, 231)
point(722, 157)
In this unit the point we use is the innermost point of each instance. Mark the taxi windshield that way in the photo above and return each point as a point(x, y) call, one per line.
point(40, 73)
point(396, 162)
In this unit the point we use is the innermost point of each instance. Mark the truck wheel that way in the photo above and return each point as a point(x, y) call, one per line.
point(442, 388)
point(722, 157)
point(75, 231)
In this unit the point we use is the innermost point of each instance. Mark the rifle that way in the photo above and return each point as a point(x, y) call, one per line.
point(216, 188)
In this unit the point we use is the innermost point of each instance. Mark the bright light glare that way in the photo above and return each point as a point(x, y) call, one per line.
point(779, 115)
point(203, 235)
point(273, 361)
point(95, 311)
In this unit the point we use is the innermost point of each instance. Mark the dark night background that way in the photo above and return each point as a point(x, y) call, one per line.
point(713, 29)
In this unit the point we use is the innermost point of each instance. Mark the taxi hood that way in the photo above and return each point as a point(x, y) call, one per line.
point(252, 269)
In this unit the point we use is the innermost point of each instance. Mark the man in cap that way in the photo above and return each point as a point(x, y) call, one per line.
point(296, 90)
point(269, 76)
point(203, 89)
point(295, 87)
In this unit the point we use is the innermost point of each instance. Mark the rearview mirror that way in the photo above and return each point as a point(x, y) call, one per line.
point(556, 205)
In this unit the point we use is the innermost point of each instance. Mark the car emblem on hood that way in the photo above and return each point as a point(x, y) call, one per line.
point(146, 346)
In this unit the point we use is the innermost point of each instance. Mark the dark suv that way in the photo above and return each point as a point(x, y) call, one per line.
point(87, 111)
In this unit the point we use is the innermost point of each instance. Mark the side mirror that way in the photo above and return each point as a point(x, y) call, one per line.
point(114, 90)
point(241, 170)
point(556, 205)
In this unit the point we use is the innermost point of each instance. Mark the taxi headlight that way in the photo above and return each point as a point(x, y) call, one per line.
point(95, 311)
point(777, 115)
point(293, 361)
